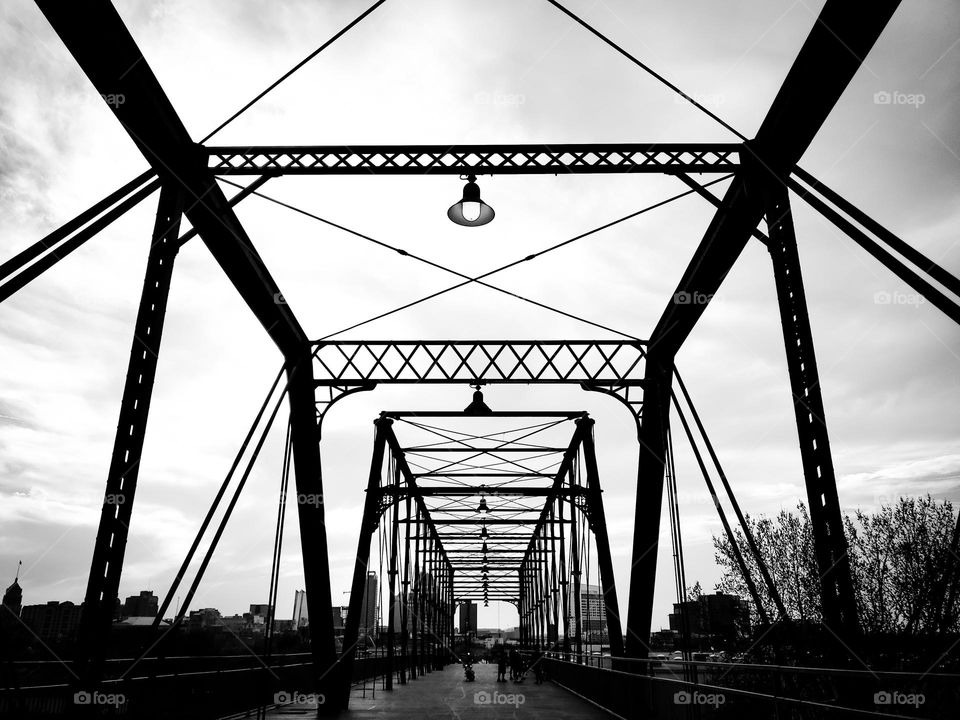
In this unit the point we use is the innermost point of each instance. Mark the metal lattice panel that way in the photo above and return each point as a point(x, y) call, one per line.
point(475, 159)
point(595, 362)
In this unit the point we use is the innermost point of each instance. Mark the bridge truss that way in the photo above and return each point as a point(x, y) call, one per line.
point(468, 511)
point(764, 168)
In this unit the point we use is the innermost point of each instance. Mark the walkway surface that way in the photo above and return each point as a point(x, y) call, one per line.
point(444, 694)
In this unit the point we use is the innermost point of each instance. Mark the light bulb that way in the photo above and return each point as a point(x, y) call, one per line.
point(471, 210)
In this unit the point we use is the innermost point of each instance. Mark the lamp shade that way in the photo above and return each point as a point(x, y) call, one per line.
point(471, 211)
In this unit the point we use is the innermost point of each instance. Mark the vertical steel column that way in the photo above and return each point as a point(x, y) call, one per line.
point(830, 545)
point(535, 594)
point(598, 522)
point(415, 670)
point(520, 602)
point(654, 424)
point(554, 572)
point(305, 439)
point(368, 525)
point(432, 607)
point(544, 578)
point(404, 606)
point(453, 606)
point(392, 573)
point(564, 582)
point(575, 561)
point(106, 566)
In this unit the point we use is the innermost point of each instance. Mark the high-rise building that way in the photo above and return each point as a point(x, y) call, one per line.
point(300, 617)
point(368, 612)
point(143, 605)
point(468, 618)
point(593, 615)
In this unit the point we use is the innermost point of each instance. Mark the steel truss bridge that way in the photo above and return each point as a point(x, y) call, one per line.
point(424, 497)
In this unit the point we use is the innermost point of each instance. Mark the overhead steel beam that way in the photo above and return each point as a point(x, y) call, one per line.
point(485, 490)
point(483, 522)
point(842, 36)
point(96, 36)
point(470, 450)
point(551, 159)
point(486, 361)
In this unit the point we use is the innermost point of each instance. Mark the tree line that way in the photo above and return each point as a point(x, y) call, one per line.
point(903, 560)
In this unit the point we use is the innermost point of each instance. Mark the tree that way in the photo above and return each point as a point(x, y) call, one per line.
point(786, 545)
point(904, 572)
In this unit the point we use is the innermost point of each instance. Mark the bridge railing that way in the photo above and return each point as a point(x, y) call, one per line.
point(188, 687)
point(671, 689)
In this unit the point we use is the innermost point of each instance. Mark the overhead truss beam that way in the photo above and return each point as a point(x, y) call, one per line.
point(576, 362)
point(560, 159)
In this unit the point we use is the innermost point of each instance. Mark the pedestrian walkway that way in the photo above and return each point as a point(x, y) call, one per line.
point(445, 694)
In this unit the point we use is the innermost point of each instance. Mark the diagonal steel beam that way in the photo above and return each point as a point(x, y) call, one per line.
point(842, 36)
point(96, 36)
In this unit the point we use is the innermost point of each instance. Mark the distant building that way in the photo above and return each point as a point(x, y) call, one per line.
point(663, 639)
point(258, 616)
point(283, 626)
point(368, 612)
point(300, 617)
point(143, 605)
point(53, 621)
point(13, 596)
point(468, 618)
point(721, 616)
point(236, 624)
point(339, 618)
point(204, 618)
point(593, 615)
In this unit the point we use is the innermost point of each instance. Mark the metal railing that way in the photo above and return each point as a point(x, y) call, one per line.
point(659, 688)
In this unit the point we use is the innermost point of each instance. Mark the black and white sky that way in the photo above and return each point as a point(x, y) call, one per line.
point(445, 72)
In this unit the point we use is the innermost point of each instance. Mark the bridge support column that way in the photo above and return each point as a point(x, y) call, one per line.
point(392, 572)
point(368, 525)
point(830, 545)
point(305, 441)
point(108, 551)
point(654, 425)
point(598, 522)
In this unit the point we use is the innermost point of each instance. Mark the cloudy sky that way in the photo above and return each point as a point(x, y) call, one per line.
point(452, 71)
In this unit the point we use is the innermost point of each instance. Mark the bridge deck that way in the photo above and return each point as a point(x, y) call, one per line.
point(444, 694)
